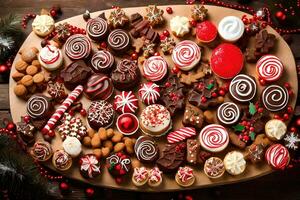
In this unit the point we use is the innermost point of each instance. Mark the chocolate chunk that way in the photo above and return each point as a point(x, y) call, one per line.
point(193, 148)
point(102, 15)
point(134, 33)
point(144, 31)
point(141, 25)
point(203, 156)
point(26, 131)
point(264, 41)
point(136, 17)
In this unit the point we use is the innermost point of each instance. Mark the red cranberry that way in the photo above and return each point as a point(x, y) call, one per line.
point(166, 33)
point(83, 112)
point(221, 92)
point(134, 56)
point(167, 84)
point(53, 13)
point(169, 10)
point(290, 109)
point(27, 119)
point(51, 133)
point(193, 23)
point(157, 54)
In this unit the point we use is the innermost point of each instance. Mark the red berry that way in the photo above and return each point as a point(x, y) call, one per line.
point(260, 110)
point(175, 70)
point(203, 99)
point(118, 167)
point(245, 20)
point(162, 37)
point(103, 45)
point(122, 172)
point(53, 13)
point(119, 154)
point(276, 117)
point(10, 126)
point(156, 54)
point(280, 15)
point(169, 10)
point(291, 93)
point(221, 92)
point(251, 128)
point(287, 85)
point(134, 56)
point(27, 119)
point(262, 82)
point(51, 133)
point(167, 84)
point(83, 112)
point(63, 186)
point(290, 109)
point(264, 25)
point(90, 192)
point(293, 129)
point(286, 116)
point(71, 112)
point(166, 33)
point(246, 137)
point(118, 180)
point(298, 122)
point(193, 23)
point(214, 94)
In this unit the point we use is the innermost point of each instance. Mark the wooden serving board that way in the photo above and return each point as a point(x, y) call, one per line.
point(18, 106)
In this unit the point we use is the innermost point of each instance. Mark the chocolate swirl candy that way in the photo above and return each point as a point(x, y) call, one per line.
point(146, 150)
point(98, 86)
point(41, 151)
point(275, 98)
point(243, 88)
point(39, 106)
point(228, 114)
point(119, 41)
point(62, 160)
point(102, 62)
point(78, 47)
point(97, 29)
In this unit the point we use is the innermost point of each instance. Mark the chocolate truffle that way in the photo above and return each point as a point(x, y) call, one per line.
point(75, 74)
point(98, 87)
point(126, 75)
point(102, 62)
point(39, 107)
point(97, 29)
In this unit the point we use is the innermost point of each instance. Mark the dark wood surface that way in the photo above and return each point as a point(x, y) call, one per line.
point(278, 185)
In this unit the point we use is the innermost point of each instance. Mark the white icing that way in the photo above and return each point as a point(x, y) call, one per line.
point(231, 28)
point(72, 146)
point(275, 129)
point(43, 23)
point(180, 25)
point(50, 57)
point(234, 163)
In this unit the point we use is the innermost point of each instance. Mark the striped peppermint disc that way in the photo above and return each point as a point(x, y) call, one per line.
point(181, 134)
point(269, 68)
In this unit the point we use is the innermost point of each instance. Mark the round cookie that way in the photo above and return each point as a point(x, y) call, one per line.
point(61, 160)
point(206, 32)
point(97, 29)
point(89, 166)
point(231, 28)
point(185, 176)
point(234, 163)
point(50, 57)
point(118, 164)
point(155, 120)
point(119, 41)
point(214, 167)
point(275, 98)
point(186, 55)
point(155, 177)
point(227, 60)
point(214, 138)
point(242, 88)
point(100, 114)
point(125, 102)
point(102, 62)
point(228, 114)
point(275, 129)
point(43, 25)
point(149, 93)
point(140, 176)
point(41, 151)
point(39, 107)
point(146, 149)
point(127, 124)
point(269, 68)
point(98, 87)
point(277, 156)
point(180, 26)
point(72, 146)
point(126, 75)
point(78, 47)
point(155, 68)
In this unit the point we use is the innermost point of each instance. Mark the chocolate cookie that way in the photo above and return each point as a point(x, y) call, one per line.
point(193, 116)
point(242, 88)
point(97, 29)
point(102, 62)
point(75, 74)
point(126, 75)
point(100, 114)
point(119, 41)
point(172, 157)
point(173, 94)
point(146, 149)
point(39, 107)
point(98, 87)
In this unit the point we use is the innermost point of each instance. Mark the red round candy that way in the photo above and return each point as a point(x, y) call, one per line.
point(127, 124)
point(206, 31)
point(227, 60)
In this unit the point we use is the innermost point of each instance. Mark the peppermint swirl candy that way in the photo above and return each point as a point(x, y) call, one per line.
point(231, 28)
point(37, 106)
point(149, 93)
point(78, 47)
point(41, 151)
point(49, 54)
point(155, 68)
point(228, 113)
point(146, 149)
point(97, 28)
point(186, 54)
point(278, 156)
point(269, 68)
point(102, 61)
point(243, 88)
point(118, 40)
point(275, 98)
point(214, 138)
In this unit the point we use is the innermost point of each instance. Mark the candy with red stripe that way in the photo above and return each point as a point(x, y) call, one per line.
point(181, 134)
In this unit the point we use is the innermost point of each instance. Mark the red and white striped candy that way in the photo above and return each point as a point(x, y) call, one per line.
point(278, 156)
point(62, 109)
point(181, 134)
point(269, 68)
point(155, 68)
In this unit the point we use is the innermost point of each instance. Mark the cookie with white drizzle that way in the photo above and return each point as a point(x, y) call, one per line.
point(242, 88)
point(146, 149)
point(228, 114)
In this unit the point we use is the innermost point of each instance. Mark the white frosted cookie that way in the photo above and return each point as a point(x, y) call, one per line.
point(234, 163)
point(275, 129)
point(51, 57)
point(180, 26)
point(231, 28)
point(42, 25)
point(72, 146)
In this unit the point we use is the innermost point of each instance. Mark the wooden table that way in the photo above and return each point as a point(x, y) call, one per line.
point(278, 185)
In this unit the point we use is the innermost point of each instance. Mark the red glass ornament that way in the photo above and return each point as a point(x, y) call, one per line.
point(90, 192)
point(83, 112)
point(27, 119)
point(156, 54)
point(169, 10)
point(64, 186)
point(11, 126)
point(134, 56)
point(3, 68)
point(280, 15)
point(166, 33)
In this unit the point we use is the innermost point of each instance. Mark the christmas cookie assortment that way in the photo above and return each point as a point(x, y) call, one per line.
point(150, 97)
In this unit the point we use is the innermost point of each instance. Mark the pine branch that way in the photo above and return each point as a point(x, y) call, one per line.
point(10, 23)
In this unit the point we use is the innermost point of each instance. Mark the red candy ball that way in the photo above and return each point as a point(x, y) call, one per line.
point(175, 70)
point(134, 56)
point(298, 122)
point(166, 33)
point(280, 15)
point(53, 13)
point(126, 122)
point(64, 186)
point(103, 45)
point(11, 126)
point(83, 112)
point(3, 68)
point(27, 119)
point(169, 10)
point(51, 133)
point(193, 23)
point(90, 192)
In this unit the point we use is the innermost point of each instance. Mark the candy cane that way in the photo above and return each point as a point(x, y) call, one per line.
point(62, 109)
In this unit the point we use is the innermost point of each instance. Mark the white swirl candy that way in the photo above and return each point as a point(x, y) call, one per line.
point(145, 149)
point(243, 88)
point(155, 68)
point(231, 28)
